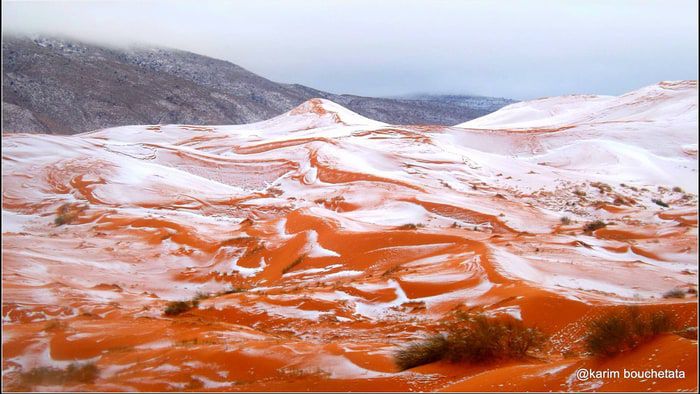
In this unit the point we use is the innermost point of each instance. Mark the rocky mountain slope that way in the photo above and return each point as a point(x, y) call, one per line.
point(64, 87)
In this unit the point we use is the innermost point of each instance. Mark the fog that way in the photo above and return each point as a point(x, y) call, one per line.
point(511, 49)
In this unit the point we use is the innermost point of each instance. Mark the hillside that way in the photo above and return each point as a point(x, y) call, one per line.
point(64, 87)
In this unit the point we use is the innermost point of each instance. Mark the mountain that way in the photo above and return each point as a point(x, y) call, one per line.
point(59, 86)
point(475, 102)
point(305, 251)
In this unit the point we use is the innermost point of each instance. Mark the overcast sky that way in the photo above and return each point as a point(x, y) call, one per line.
point(518, 49)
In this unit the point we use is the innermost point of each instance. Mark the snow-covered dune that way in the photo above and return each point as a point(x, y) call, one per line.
point(663, 102)
point(318, 242)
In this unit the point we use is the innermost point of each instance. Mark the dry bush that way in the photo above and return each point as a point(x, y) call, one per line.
point(393, 269)
point(293, 264)
point(233, 290)
point(473, 338)
point(478, 338)
point(201, 296)
point(74, 373)
point(623, 200)
point(411, 226)
point(602, 187)
point(175, 308)
point(688, 333)
point(659, 202)
point(424, 352)
point(624, 329)
point(595, 225)
point(675, 293)
point(565, 220)
point(65, 214)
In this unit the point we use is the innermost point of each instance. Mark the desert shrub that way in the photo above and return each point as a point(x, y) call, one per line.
point(175, 308)
point(293, 264)
point(624, 329)
point(66, 214)
point(411, 226)
point(61, 220)
point(473, 338)
point(595, 225)
point(678, 189)
point(74, 373)
point(565, 220)
point(580, 193)
point(623, 200)
point(688, 332)
point(480, 338)
point(423, 352)
point(675, 293)
point(659, 202)
point(233, 290)
point(659, 322)
point(63, 216)
point(54, 325)
point(602, 187)
point(201, 296)
point(393, 269)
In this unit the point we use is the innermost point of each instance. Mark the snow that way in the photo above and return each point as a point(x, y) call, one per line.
point(312, 114)
point(394, 213)
point(13, 222)
point(661, 102)
point(247, 272)
point(314, 249)
point(196, 187)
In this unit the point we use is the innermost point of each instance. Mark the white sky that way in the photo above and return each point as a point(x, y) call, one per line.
point(518, 49)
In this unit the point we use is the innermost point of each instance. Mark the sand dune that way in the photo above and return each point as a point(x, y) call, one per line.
point(349, 238)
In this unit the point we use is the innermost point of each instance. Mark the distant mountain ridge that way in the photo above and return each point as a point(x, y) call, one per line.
point(61, 86)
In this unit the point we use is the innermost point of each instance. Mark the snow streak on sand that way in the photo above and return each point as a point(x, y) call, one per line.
point(319, 241)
